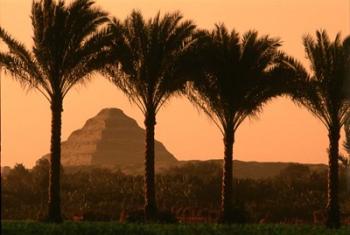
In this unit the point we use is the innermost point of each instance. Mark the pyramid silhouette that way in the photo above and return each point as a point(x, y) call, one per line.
point(110, 138)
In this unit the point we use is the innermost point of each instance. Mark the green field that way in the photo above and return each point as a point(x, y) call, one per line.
point(96, 228)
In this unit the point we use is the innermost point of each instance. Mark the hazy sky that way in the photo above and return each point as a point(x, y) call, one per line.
point(283, 131)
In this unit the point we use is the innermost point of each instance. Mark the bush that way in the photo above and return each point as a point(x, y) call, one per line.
point(92, 215)
point(133, 216)
point(239, 215)
point(166, 217)
point(138, 216)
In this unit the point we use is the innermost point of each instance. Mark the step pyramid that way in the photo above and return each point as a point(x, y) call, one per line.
point(108, 139)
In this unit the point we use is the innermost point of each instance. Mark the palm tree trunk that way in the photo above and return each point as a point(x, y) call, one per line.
point(227, 187)
point(149, 184)
point(333, 214)
point(54, 205)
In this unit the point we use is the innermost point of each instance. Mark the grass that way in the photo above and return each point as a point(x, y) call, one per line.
point(111, 228)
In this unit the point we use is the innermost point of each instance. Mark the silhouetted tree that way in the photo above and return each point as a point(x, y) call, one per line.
point(149, 71)
point(40, 175)
point(68, 47)
point(236, 77)
point(324, 94)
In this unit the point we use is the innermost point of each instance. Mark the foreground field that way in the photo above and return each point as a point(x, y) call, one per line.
point(87, 228)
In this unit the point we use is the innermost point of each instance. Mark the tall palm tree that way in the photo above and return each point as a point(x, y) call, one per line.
point(325, 94)
point(151, 68)
point(236, 77)
point(68, 46)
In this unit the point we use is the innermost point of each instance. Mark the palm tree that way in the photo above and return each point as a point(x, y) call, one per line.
point(324, 93)
point(68, 48)
point(150, 70)
point(236, 77)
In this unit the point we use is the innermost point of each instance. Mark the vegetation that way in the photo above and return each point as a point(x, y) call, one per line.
point(296, 195)
point(68, 228)
point(149, 71)
point(324, 94)
point(236, 77)
point(68, 48)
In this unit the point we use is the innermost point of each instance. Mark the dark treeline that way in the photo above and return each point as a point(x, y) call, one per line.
point(191, 192)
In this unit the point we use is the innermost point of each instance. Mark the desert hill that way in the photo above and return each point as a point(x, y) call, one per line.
point(243, 169)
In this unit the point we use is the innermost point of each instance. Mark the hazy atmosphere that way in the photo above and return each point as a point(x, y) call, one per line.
point(282, 132)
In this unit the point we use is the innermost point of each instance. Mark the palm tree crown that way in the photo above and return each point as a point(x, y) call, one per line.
point(326, 94)
point(150, 55)
point(236, 76)
point(67, 47)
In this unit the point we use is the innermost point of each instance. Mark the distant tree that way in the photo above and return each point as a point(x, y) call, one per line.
point(325, 94)
point(21, 183)
point(235, 78)
point(41, 172)
point(149, 71)
point(40, 176)
point(69, 45)
point(18, 173)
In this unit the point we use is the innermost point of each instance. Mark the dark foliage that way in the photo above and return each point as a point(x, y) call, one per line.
point(295, 196)
point(138, 216)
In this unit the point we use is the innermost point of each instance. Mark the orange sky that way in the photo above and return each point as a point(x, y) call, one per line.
point(283, 131)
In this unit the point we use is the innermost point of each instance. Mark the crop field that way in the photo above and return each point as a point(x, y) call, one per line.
point(109, 228)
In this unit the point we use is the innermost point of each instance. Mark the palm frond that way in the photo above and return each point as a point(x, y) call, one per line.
point(70, 44)
point(151, 54)
point(325, 91)
point(238, 76)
